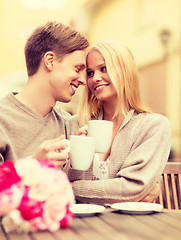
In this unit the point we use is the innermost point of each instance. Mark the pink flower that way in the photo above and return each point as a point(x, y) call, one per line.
point(65, 222)
point(38, 223)
point(8, 175)
point(28, 169)
point(10, 199)
point(30, 208)
point(49, 181)
point(13, 222)
point(34, 195)
point(55, 209)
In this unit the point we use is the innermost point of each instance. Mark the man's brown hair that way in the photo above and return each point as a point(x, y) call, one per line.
point(55, 37)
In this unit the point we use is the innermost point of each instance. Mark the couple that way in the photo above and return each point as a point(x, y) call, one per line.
point(56, 58)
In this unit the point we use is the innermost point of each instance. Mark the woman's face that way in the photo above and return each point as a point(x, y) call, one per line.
point(98, 79)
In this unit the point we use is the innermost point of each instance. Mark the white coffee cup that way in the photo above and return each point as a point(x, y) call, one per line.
point(101, 130)
point(82, 150)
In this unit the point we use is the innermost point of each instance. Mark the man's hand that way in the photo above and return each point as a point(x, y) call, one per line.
point(53, 150)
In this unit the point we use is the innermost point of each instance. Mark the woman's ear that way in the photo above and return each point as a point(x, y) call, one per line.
point(49, 60)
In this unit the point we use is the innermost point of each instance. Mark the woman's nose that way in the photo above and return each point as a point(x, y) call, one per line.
point(97, 76)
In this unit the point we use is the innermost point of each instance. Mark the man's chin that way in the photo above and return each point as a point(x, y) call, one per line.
point(65, 100)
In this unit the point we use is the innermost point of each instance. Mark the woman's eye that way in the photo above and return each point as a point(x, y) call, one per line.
point(89, 73)
point(103, 69)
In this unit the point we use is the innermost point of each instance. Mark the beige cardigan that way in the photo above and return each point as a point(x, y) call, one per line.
point(138, 156)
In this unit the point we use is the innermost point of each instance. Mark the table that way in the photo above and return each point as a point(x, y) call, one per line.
point(112, 225)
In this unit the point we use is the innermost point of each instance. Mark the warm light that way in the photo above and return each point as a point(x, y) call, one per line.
point(43, 4)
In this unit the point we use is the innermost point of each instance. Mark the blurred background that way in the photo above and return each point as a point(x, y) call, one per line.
point(150, 28)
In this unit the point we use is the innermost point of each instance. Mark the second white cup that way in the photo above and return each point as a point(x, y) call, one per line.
point(101, 130)
point(82, 150)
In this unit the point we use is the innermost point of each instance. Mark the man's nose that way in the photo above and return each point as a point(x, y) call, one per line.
point(82, 79)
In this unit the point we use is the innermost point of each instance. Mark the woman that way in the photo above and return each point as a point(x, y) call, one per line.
point(141, 140)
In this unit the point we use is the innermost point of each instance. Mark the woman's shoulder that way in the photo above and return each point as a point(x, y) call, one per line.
point(151, 120)
point(150, 117)
point(156, 118)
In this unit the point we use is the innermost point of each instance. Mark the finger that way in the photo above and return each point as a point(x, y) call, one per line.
point(82, 131)
point(58, 156)
point(54, 145)
point(66, 144)
point(84, 128)
point(145, 199)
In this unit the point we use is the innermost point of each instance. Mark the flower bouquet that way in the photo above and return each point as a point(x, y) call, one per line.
point(34, 196)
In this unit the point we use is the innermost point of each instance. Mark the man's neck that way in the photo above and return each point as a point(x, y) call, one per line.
point(36, 98)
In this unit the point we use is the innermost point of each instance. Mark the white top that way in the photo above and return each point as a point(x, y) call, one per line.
point(100, 168)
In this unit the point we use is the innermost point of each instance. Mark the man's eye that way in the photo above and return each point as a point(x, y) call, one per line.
point(89, 73)
point(78, 70)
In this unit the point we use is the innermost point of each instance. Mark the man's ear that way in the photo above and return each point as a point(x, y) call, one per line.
point(49, 58)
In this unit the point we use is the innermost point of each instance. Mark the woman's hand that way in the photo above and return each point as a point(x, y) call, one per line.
point(54, 150)
point(152, 195)
point(83, 131)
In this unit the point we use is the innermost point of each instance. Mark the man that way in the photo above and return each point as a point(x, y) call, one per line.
point(55, 59)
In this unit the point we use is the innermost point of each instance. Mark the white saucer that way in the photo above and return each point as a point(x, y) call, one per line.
point(137, 207)
point(86, 209)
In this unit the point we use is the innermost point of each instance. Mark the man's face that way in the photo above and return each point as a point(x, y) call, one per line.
point(67, 75)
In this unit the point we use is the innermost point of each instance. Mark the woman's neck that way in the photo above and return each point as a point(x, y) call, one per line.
point(108, 111)
point(109, 114)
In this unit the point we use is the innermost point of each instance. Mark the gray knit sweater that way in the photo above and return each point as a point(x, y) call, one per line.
point(138, 156)
point(22, 130)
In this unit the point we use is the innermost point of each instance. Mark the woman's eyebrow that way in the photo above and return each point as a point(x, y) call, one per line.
point(88, 69)
point(100, 65)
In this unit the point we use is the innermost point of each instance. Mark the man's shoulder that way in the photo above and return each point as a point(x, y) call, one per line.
point(62, 113)
point(5, 99)
point(6, 106)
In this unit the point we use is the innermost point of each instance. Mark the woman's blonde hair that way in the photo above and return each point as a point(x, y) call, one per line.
point(123, 73)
